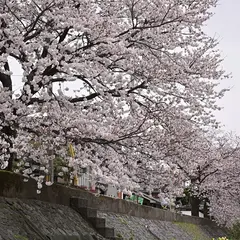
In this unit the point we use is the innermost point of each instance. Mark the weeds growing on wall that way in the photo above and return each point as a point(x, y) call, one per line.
point(235, 232)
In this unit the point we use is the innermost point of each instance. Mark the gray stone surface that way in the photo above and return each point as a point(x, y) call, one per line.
point(35, 220)
point(146, 229)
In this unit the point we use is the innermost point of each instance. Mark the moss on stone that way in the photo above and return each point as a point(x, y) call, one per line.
point(193, 230)
point(123, 221)
point(20, 237)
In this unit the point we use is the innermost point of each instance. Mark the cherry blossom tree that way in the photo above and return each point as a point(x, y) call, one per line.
point(143, 72)
point(223, 188)
point(210, 163)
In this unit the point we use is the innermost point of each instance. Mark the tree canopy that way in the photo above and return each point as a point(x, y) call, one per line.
point(145, 77)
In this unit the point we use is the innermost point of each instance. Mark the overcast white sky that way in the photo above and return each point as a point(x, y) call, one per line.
point(226, 26)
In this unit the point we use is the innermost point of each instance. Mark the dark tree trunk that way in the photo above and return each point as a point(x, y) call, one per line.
point(195, 202)
point(7, 132)
point(206, 208)
point(10, 163)
point(6, 79)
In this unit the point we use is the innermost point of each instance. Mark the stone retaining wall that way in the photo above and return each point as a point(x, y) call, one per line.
point(36, 220)
point(12, 185)
point(91, 218)
point(148, 229)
